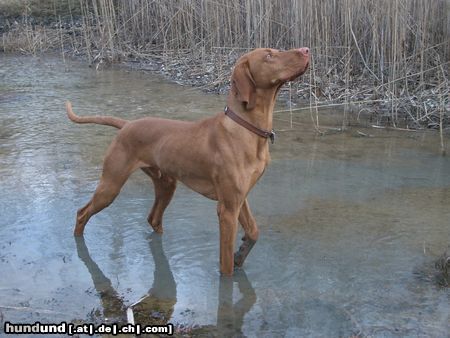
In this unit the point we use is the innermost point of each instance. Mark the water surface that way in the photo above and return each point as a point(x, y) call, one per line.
point(350, 226)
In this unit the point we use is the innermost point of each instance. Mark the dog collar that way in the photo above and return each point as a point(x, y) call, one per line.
point(247, 125)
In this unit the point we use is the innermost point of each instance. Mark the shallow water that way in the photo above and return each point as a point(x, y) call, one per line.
point(350, 226)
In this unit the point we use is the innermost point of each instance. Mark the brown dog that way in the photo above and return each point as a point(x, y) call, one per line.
point(221, 157)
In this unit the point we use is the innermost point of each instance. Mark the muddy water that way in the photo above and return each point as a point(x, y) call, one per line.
point(350, 226)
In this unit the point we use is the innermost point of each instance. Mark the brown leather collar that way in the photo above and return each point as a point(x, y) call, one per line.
point(258, 131)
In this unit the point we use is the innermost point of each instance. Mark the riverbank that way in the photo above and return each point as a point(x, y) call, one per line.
point(409, 91)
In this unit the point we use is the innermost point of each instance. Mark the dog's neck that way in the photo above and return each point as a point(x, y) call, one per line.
point(261, 115)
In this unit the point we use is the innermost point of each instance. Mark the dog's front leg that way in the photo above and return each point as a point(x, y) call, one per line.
point(228, 221)
point(251, 234)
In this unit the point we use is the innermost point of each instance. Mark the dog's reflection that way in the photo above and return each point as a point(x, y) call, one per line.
point(113, 307)
point(156, 308)
point(230, 317)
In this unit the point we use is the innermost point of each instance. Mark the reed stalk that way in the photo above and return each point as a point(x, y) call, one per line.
point(363, 50)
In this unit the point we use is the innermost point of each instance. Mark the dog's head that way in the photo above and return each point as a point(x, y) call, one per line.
point(266, 68)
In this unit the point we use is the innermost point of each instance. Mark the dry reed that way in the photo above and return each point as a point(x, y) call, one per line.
point(392, 55)
point(392, 50)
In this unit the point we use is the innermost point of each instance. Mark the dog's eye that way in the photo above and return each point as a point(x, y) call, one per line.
point(269, 56)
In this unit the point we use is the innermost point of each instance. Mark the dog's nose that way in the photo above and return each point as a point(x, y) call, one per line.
point(304, 51)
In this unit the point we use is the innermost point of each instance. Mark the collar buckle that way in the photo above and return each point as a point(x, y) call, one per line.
point(272, 136)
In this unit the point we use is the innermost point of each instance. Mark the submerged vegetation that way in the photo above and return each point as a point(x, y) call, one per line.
point(385, 59)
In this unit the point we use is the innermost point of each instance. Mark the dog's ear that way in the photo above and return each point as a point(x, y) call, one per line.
point(243, 85)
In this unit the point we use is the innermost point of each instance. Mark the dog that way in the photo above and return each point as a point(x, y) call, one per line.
point(221, 157)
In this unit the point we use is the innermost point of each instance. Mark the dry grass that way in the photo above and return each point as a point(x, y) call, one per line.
point(390, 55)
point(39, 8)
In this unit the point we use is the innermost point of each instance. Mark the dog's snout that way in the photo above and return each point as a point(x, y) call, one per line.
point(304, 51)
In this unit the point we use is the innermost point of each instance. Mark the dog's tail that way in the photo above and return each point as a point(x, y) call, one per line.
point(106, 120)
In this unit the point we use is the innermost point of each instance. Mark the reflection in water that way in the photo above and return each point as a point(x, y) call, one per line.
point(156, 308)
point(113, 307)
point(230, 317)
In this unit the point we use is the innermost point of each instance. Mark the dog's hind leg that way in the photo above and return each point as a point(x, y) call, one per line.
point(164, 189)
point(117, 167)
point(251, 234)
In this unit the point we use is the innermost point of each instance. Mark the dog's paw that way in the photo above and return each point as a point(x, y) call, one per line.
point(238, 260)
